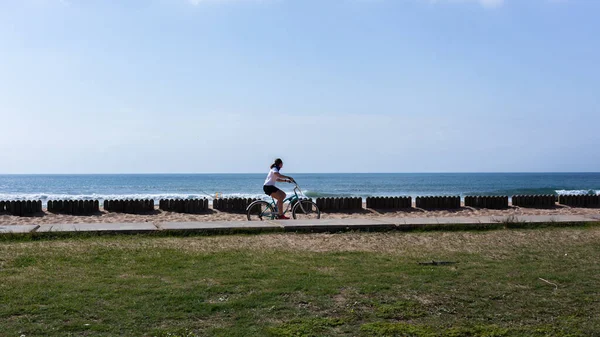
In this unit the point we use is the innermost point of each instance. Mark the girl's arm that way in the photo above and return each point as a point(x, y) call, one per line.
point(280, 177)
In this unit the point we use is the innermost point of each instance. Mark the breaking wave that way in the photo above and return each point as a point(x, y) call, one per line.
point(45, 197)
point(577, 192)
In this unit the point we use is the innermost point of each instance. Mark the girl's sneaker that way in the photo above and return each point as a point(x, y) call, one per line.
point(282, 217)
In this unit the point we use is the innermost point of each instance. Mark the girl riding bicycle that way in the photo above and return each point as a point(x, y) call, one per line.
point(271, 190)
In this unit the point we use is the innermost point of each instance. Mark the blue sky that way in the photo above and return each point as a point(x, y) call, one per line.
point(149, 86)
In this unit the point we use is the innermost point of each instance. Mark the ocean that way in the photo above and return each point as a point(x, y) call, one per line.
point(159, 186)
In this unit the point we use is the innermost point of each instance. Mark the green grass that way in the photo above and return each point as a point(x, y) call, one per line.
point(282, 284)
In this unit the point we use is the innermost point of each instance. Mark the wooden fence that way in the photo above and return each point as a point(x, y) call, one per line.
point(74, 207)
point(339, 204)
point(490, 202)
point(585, 201)
point(534, 201)
point(232, 205)
point(389, 202)
point(184, 205)
point(438, 202)
point(21, 207)
point(129, 206)
point(239, 205)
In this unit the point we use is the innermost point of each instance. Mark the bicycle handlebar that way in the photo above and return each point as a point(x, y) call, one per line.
point(296, 187)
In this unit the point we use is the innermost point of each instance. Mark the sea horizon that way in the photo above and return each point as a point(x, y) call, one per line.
point(158, 186)
point(234, 173)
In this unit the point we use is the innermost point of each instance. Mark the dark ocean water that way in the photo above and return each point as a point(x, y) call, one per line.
point(157, 186)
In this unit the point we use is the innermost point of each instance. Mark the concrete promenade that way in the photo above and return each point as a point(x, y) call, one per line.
point(305, 225)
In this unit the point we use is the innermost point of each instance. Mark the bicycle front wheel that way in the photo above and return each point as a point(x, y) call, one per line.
point(306, 209)
point(259, 211)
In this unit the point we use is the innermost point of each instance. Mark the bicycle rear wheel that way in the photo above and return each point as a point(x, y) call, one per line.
point(259, 211)
point(306, 209)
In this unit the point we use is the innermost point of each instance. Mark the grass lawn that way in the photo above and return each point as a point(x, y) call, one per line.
point(527, 282)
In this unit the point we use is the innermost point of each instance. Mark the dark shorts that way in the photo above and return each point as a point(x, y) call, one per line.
point(269, 189)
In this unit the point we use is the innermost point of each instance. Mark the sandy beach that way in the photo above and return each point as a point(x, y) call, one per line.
point(213, 215)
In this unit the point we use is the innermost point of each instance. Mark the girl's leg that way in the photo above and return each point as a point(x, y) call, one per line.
point(279, 196)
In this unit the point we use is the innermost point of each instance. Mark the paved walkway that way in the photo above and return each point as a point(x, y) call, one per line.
point(294, 225)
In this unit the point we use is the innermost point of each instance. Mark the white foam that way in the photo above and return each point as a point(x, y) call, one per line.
point(44, 197)
point(576, 192)
point(242, 195)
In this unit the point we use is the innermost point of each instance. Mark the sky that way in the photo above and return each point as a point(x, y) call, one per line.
point(226, 86)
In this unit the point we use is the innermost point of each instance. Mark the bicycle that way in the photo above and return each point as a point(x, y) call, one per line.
point(301, 207)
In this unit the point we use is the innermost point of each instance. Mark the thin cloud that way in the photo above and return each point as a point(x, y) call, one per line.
point(485, 3)
point(46, 2)
point(199, 2)
point(491, 3)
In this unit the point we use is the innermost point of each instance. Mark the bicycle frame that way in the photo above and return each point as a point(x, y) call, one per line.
point(291, 200)
point(296, 203)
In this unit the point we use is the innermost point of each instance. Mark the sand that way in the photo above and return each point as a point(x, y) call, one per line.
point(159, 216)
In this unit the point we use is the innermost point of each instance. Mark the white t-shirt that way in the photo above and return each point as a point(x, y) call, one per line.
point(271, 178)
